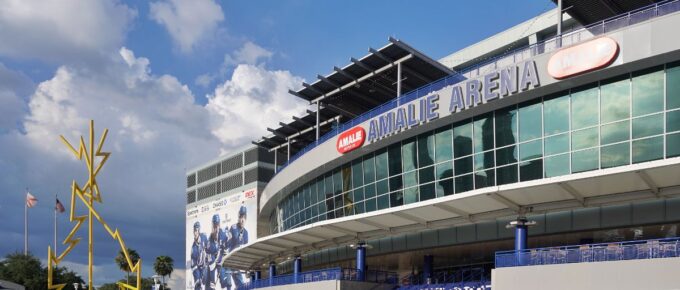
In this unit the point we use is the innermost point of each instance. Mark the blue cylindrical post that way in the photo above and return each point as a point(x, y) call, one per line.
point(258, 275)
point(521, 226)
point(427, 269)
point(272, 273)
point(297, 269)
point(521, 237)
point(361, 262)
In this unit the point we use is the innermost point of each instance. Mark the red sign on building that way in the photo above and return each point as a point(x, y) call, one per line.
point(350, 140)
point(584, 57)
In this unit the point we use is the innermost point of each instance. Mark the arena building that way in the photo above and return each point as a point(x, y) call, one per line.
point(546, 156)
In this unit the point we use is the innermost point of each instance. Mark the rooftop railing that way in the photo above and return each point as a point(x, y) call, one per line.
point(508, 58)
point(347, 274)
point(618, 251)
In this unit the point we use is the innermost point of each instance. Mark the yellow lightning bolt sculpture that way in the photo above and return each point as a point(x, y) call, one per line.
point(88, 195)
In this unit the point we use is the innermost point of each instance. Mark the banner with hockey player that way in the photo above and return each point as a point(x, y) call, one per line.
point(214, 229)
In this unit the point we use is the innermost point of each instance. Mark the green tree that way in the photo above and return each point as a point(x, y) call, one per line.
point(26, 270)
point(163, 267)
point(123, 264)
point(147, 283)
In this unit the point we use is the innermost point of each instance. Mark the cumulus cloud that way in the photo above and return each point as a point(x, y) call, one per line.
point(251, 100)
point(187, 21)
point(51, 31)
point(249, 53)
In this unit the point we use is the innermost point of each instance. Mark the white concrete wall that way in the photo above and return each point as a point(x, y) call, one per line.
point(657, 274)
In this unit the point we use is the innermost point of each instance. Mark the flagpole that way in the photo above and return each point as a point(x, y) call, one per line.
point(55, 223)
point(26, 224)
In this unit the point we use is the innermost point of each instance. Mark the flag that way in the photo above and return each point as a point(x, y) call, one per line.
point(59, 207)
point(31, 201)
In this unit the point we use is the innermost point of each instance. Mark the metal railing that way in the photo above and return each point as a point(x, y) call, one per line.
point(506, 59)
point(347, 274)
point(618, 251)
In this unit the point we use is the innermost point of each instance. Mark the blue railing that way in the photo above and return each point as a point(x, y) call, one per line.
point(346, 274)
point(631, 250)
point(472, 277)
point(514, 56)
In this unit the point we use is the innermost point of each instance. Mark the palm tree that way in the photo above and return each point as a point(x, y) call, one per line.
point(123, 264)
point(163, 266)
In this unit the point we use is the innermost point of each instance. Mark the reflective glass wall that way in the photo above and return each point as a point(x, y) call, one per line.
point(625, 120)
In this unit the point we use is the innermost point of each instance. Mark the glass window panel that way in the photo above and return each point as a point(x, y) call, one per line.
point(556, 115)
point(380, 165)
point(410, 178)
point(506, 155)
point(444, 170)
point(615, 99)
point(673, 86)
point(369, 169)
point(531, 170)
point(463, 165)
point(531, 150)
point(394, 158)
point(320, 191)
point(647, 126)
point(647, 92)
point(426, 149)
point(396, 198)
point(384, 201)
point(615, 132)
point(584, 108)
point(427, 191)
point(445, 187)
point(506, 175)
point(358, 208)
point(673, 121)
point(556, 144)
point(358, 194)
point(346, 177)
point(484, 160)
point(673, 145)
point(484, 178)
point(382, 187)
point(483, 133)
point(426, 174)
point(530, 121)
point(312, 192)
point(584, 160)
point(462, 139)
point(337, 182)
point(584, 138)
point(396, 183)
point(506, 127)
point(464, 183)
point(357, 173)
point(557, 165)
point(410, 195)
point(409, 155)
point(444, 144)
point(648, 149)
point(369, 190)
point(615, 155)
point(370, 205)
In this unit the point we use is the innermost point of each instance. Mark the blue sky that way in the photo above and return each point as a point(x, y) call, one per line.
point(179, 82)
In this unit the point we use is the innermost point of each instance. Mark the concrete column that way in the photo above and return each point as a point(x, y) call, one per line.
point(297, 269)
point(559, 23)
point(361, 261)
point(272, 273)
point(428, 262)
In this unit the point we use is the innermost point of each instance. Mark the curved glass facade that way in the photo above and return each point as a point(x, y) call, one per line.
point(620, 121)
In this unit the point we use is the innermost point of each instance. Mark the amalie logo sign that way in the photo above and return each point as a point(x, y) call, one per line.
point(582, 58)
point(350, 140)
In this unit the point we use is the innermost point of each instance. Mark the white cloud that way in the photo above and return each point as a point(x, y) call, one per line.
point(50, 30)
point(187, 21)
point(253, 99)
point(176, 280)
point(249, 53)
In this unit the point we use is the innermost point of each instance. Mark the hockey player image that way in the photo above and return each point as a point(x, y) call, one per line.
point(238, 236)
point(199, 257)
point(216, 250)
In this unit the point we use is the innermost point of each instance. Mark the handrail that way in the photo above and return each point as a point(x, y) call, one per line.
point(347, 274)
point(600, 252)
point(548, 45)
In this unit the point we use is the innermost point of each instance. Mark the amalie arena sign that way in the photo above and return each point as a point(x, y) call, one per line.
point(498, 84)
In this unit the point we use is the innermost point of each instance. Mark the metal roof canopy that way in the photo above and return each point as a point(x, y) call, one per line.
point(352, 90)
point(590, 11)
point(620, 185)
